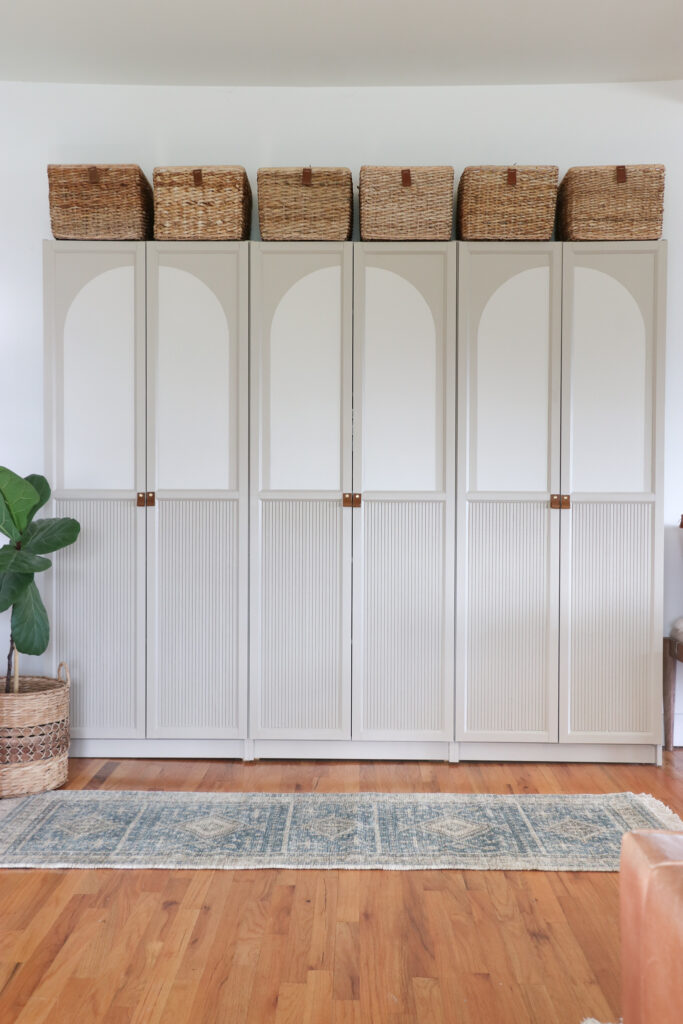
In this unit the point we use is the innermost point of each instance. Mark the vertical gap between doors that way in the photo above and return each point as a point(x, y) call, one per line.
point(146, 385)
point(561, 491)
point(353, 482)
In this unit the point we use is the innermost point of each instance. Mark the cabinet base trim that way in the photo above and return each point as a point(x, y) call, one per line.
point(156, 748)
point(360, 750)
point(370, 750)
point(629, 753)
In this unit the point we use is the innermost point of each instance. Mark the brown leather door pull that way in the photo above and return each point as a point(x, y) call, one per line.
point(197, 176)
point(307, 176)
point(512, 175)
point(621, 174)
point(93, 176)
point(406, 177)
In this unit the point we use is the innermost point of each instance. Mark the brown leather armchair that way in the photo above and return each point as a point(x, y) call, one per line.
point(651, 902)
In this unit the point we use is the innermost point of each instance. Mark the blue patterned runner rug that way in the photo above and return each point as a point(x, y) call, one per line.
point(404, 831)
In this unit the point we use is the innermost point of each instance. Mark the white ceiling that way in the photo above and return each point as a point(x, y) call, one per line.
point(340, 42)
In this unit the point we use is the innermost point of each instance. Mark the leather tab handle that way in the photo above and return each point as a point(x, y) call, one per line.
point(621, 174)
point(406, 177)
point(197, 176)
point(512, 175)
point(93, 175)
point(307, 176)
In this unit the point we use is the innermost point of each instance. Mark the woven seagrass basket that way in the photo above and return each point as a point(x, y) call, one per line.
point(297, 204)
point(201, 203)
point(612, 203)
point(101, 202)
point(507, 203)
point(34, 735)
point(406, 203)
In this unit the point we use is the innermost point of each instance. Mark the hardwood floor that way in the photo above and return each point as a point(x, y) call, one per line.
point(316, 947)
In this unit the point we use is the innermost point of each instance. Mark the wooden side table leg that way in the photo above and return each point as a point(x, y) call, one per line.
point(669, 693)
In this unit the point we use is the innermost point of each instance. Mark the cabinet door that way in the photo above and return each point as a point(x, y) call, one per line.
point(95, 443)
point(197, 458)
point(404, 469)
point(508, 466)
point(611, 467)
point(300, 622)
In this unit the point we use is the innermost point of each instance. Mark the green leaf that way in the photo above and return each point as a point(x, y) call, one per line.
point(11, 586)
point(42, 487)
point(30, 628)
point(7, 523)
point(20, 495)
point(12, 560)
point(47, 535)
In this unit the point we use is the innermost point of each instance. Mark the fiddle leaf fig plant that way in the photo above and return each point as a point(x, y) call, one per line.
point(23, 556)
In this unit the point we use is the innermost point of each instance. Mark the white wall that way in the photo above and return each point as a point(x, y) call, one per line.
point(564, 125)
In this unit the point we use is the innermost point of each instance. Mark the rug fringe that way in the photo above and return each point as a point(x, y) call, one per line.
point(668, 818)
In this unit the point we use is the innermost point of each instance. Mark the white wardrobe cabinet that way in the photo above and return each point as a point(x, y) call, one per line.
point(147, 442)
point(352, 474)
point(559, 502)
point(303, 536)
point(95, 460)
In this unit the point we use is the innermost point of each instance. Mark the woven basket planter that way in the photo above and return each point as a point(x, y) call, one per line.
point(406, 203)
point(101, 202)
point(305, 204)
point(507, 203)
point(612, 203)
point(201, 203)
point(34, 735)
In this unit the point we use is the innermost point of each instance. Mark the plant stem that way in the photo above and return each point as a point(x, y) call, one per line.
point(8, 681)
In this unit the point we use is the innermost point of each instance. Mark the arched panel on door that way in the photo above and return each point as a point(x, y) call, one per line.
point(195, 387)
point(510, 393)
point(611, 372)
point(302, 386)
point(402, 371)
point(98, 373)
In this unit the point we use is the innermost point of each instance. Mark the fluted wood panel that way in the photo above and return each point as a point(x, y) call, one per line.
point(96, 616)
point(508, 612)
point(403, 621)
point(196, 630)
point(612, 659)
point(301, 615)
